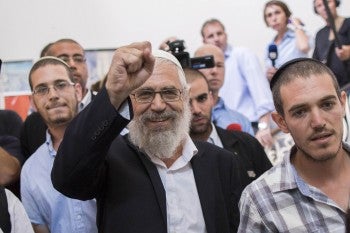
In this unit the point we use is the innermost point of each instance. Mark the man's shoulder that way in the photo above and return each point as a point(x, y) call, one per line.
point(242, 51)
point(210, 150)
point(274, 180)
point(36, 158)
point(236, 135)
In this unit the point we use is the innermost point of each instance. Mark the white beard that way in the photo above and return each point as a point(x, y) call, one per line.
point(161, 143)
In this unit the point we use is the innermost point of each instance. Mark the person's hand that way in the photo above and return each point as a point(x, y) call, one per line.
point(264, 137)
point(164, 45)
point(131, 66)
point(270, 72)
point(296, 22)
point(343, 53)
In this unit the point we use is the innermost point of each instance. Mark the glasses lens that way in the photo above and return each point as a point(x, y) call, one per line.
point(170, 94)
point(42, 90)
point(144, 96)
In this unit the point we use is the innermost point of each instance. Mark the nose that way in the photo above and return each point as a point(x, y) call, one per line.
point(214, 70)
point(71, 63)
point(53, 93)
point(195, 107)
point(317, 119)
point(158, 104)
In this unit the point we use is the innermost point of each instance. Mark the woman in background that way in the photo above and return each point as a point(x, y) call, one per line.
point(337, 59)
point(291, 40)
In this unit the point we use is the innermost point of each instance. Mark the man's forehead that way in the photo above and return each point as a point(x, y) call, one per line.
point(50, 73)
point(164, 74)
point(68, 48)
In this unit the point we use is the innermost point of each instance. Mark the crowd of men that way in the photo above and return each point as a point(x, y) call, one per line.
point(163, 148)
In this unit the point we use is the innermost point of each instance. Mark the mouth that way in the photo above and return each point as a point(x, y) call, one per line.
point(55, 106)
point(322, 137)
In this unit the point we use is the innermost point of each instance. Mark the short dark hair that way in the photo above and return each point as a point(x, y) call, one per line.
point(211, 21)
point(63, 40)
point(45, 49)
point(193, 74)
point(298, 68)
point(48, 60)
point(280, 4)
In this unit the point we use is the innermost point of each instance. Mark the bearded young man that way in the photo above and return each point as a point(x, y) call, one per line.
point(56, 97)
point(156, 179)
point(309, 190)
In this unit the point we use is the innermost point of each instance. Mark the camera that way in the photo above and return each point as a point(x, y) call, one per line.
point(177, 48)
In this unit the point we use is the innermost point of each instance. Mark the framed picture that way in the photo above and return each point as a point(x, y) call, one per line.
point(14, 77)
point(14, 86)
point(98, 62)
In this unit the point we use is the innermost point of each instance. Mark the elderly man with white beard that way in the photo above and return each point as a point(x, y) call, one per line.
point(156, 179)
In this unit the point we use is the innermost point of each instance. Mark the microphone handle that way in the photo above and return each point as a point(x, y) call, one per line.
point(273, 62)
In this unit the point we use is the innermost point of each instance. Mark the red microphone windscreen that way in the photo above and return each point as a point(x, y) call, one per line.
point(234, 127)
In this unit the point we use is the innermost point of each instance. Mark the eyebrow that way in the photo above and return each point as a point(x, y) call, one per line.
point(67, 55)
point(55, 81)
point(326, 98)
point(199, 96)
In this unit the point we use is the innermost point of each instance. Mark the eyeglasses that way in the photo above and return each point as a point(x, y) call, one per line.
point(147, 96)
point(59, 86)
point(76, 58)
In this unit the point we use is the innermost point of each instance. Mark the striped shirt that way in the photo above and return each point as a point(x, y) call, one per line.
point(280, 201)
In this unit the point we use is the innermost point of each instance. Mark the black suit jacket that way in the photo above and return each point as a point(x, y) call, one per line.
point(93, 162)
point(252, 156)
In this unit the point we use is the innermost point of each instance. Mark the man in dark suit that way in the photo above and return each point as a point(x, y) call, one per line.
point(154, 180)
point(251, 154)
point(33, 133)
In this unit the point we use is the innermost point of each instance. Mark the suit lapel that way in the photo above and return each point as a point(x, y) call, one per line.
point(228, 141)
point(205, 187)
point(156, 181)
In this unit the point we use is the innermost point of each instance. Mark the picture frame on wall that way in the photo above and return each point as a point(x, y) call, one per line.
point(98, 62)
point(14, 86)
point(14, 77)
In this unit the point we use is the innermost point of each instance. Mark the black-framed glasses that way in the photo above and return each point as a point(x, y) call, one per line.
point(78, 59)
point(59, 86)
point(147, 95)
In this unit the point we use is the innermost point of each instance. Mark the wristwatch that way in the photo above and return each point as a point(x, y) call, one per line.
point(262, 125)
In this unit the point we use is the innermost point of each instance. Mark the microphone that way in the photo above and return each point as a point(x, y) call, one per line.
point(273, 54)
point(234, 127)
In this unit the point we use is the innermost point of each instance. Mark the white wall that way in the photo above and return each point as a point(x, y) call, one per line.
point(28, 25)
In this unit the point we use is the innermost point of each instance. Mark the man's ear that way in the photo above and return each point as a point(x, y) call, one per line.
point(211, 99)
point(78, 91)
point(280, 121)
point(343, 101)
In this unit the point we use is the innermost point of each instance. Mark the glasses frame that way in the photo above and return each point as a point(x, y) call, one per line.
point(77, 59)
point(55, 86)
point(161, 93)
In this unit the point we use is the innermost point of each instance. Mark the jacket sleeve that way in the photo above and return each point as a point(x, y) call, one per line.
point(79, 169)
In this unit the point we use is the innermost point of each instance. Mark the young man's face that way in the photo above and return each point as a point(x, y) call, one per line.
point(59, 105)
point(201, 102)
point(313, 116)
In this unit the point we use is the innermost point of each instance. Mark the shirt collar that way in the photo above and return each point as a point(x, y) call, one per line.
point(189, 150)
point(85, 101)
point(220, 104)
point(49, 144)
point(214, 137)
point(291, 179)
point(228, 51)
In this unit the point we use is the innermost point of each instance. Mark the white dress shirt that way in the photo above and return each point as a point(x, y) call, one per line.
point(184, 211)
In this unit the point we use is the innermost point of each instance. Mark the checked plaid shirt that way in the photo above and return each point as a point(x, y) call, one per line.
point(280, 201)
